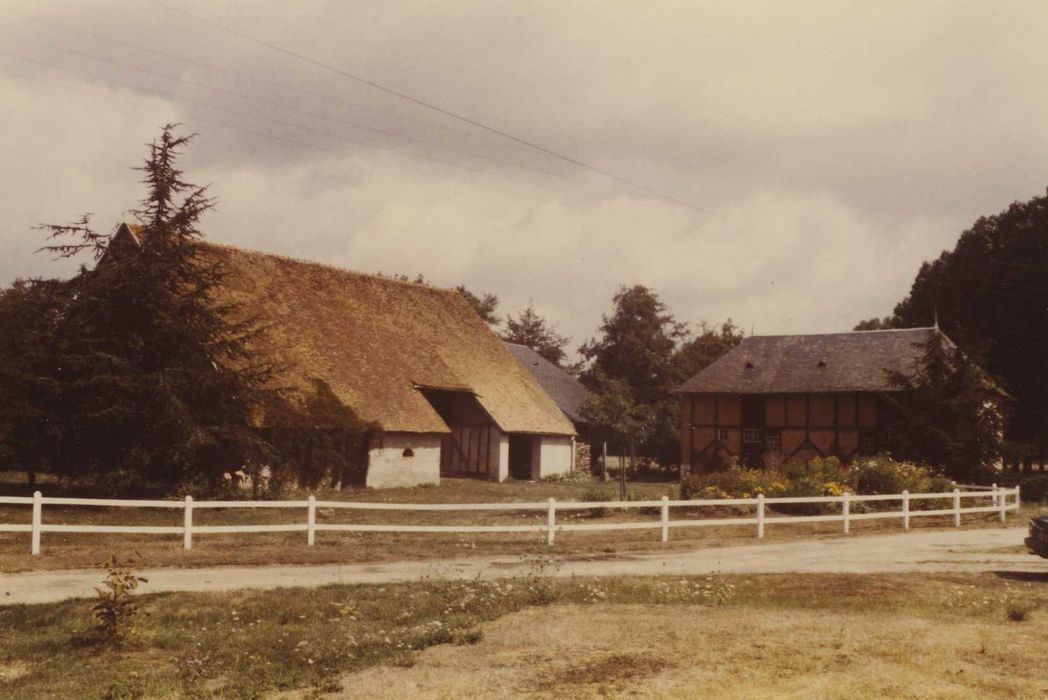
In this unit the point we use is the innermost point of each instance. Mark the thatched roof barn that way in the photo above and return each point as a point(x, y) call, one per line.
point(414, 360)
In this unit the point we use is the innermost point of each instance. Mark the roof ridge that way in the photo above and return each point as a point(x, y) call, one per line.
point(873, 330)
point(327, 266)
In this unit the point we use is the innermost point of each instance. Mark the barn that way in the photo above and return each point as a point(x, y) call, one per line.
point(444, 395)
point(779, 398)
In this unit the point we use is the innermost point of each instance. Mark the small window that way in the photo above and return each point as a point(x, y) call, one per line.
point(751, 436)
point(722, 434)
point(408, 452)
point(773, 441)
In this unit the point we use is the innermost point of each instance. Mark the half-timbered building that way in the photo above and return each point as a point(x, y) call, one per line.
point(773, 399)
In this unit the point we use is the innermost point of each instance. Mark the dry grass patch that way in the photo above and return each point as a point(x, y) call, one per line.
point(726, 652)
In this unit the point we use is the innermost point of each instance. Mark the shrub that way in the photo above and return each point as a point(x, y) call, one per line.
point(1035, 488)
point(114, 607)
point(881, 474)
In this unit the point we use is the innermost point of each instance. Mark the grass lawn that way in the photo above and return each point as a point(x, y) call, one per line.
point(919, 636)
point(64, 551)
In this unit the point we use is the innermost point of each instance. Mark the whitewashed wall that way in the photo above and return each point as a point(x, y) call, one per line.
point(554, 455)
point(387, 465)
point(499, 457)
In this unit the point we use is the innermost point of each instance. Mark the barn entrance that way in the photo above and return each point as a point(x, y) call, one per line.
point(520, 457)
point(471, 449)
point(752, 431)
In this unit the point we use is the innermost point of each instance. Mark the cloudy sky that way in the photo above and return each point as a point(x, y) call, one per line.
point(806, 156)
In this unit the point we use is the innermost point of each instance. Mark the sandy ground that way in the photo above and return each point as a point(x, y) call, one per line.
point(623, 651)
point(997, 549)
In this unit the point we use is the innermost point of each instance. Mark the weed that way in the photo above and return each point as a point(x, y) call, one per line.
point(1017, 613)
point(114, 608)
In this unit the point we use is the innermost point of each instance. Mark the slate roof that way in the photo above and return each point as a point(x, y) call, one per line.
point(373, 340)
point(830, 362)
point(566, 391)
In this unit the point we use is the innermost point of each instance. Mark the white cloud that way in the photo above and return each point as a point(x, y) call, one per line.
point(829, 147)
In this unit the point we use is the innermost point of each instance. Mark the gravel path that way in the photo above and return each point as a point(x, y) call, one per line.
point(935, 551)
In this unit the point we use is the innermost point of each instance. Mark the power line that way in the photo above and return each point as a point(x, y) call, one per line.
point(341, 102)
point(292, 108)
point(267, 134)
point(427, 105)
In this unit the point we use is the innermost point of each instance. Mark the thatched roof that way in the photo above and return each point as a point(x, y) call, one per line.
point(856, 361)
point(370, 341)
point(566, 391)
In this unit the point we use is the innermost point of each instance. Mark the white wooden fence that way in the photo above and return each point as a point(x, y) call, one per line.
point(1000, 501)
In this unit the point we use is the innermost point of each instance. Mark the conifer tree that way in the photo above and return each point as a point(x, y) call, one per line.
point(155, 364)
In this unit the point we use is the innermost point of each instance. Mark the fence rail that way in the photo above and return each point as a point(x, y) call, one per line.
point(1001, 500)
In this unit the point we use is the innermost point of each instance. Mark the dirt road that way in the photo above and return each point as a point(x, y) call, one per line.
point(935, 551)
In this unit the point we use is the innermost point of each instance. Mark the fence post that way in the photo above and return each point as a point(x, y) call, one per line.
point(995, 494)
point(38, 517)
point(905, 509)
point(760, 515)
point(551, 520)
point(845, 511)
point(311, 521)
point(665, 515)
point(1002, 504)
point(1018, 501)
point(956, 507)
point(187, 525)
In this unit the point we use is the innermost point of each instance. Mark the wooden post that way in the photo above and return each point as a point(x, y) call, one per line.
point(905, 509)
point(665, 518)
point(760, 515)
point(956, 507)
point(1002, 504)
point(187, 525)
point(604, 462)
point(311, 521)
point(845, 511)
point(38, 517)
point(1018, 498)
point(551, 520)
point(994, 488)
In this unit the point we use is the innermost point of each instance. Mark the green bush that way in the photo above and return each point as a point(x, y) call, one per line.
point(881, 474)
point(1035, 488)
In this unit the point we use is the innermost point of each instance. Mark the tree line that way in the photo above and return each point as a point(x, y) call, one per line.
point(989, 294)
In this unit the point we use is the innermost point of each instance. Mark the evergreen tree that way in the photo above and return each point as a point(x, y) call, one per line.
point(990, 295)
point(532, 330)
point(485, 305)
point(31, 409)
point(156, 366)
point(949, 414)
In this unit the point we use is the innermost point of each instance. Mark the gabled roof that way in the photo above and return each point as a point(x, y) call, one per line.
point(372, 340)
point(856, 361)
point(566, 391)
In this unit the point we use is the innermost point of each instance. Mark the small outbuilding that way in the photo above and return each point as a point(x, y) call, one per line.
point(566, 391)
